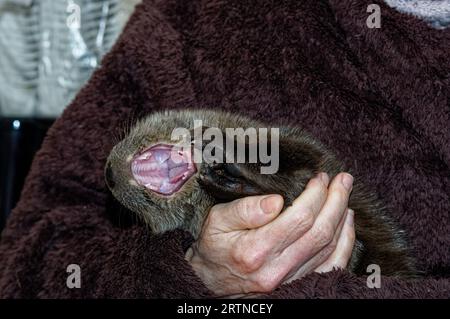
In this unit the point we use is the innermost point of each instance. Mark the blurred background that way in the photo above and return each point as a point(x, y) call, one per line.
point(48, 50)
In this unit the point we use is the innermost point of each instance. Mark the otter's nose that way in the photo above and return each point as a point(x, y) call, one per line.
point(109, 176)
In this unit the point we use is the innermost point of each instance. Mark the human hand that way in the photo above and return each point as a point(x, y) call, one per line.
point(247, 246)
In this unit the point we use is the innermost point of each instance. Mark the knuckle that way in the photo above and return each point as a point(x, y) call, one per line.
point(323, 234)
point(318, 185)
point(322, 194)
point(321, 188)
point(318, 190)
point(305, 218)
point(242, 209)
point(332, 245)
point(327, 251)
point(340, 193)
point(240, 205)
point(314, 183)
point(237, 254)
point(308, 218)
point(246, 260)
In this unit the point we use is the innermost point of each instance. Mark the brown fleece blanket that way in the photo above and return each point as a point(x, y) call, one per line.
point(379, 98)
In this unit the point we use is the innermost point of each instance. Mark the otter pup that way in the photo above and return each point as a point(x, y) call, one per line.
point(168, 189)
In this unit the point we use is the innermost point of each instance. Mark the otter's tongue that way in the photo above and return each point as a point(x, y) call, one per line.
point(162, 168)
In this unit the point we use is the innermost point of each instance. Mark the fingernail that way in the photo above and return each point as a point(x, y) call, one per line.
point(347, 181)
point(350, 216)
point(324, 178)
point(269, 204)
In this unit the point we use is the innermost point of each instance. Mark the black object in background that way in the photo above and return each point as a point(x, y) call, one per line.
point(20, 138)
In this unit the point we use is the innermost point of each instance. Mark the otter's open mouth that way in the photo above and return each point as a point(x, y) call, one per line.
point(163, 168)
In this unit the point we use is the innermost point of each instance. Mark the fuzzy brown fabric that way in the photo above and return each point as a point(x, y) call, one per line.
point(379, 98)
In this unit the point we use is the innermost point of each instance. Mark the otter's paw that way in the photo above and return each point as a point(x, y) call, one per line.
point(227, 182)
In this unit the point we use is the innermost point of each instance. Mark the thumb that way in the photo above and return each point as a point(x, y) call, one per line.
point(248, 212)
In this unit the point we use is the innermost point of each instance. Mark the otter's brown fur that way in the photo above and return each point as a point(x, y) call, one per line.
point(379, 240)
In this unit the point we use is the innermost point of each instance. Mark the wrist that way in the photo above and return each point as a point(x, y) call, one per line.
point(205, 270)
point(198, 265)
